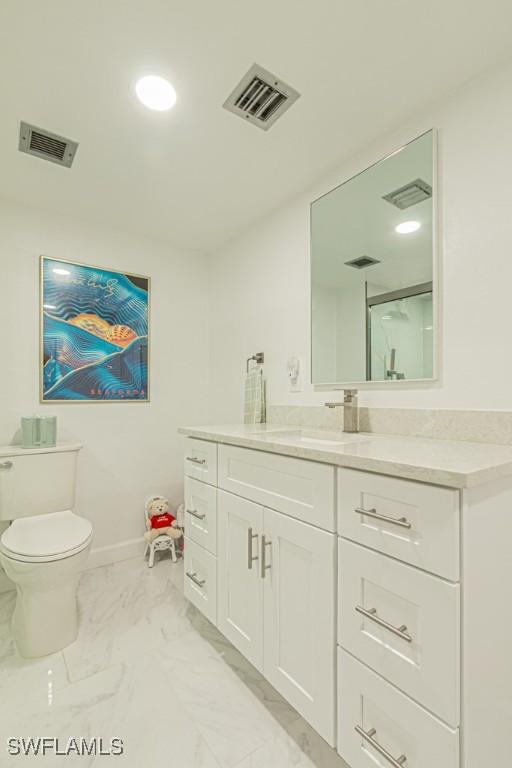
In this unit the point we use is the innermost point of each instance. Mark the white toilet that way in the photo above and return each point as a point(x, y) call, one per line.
point(45, 547)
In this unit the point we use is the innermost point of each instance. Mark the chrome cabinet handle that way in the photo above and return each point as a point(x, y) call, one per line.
point(396, 762)
point(196, 514)
point(250, 557)
point(196, 461)
point(371, 613)
point(193, 577)
point(401, 521)
point(4, 466)
point(264, 566)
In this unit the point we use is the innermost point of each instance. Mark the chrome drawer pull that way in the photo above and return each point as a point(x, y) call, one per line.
point(250, 557)
point(371, 613)
point(196, 514)
point(401, 521)
point(4, 466)
point(196, 461)
point(264, 566)
point(193, 577)
point(398, 762)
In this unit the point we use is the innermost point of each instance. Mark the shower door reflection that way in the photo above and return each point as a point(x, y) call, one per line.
point(399, 334)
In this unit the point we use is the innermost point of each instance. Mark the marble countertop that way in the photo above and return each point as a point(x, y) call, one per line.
point(455, 464)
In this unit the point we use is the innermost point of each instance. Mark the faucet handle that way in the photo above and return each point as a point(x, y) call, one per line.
point(350, 395)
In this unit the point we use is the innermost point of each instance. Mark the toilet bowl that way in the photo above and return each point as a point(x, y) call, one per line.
point(43, 555)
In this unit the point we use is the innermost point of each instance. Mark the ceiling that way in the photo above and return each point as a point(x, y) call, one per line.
point(198, 175)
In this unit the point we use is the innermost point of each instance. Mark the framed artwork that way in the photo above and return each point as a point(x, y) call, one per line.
point(94, 334)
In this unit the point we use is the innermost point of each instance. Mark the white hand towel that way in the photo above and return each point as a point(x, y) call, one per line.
point(254, 400)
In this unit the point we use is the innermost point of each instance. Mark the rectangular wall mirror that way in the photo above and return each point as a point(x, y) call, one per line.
point(373, 273)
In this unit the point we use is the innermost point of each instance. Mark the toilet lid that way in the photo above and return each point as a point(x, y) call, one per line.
point(46, 535)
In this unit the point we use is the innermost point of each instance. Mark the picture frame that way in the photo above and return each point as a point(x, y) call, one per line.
point(94, 334)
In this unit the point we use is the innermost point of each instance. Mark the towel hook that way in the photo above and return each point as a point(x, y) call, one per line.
point(258, 358)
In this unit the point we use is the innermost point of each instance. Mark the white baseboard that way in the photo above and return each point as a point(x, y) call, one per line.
point(114, 553)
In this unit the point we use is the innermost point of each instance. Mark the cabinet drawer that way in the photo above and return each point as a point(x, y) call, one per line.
point(201, 460)
point(404, 623)
point(201, 514)
point(422, 525)
point(402, 728)
point(200, 585)
point(301, 489)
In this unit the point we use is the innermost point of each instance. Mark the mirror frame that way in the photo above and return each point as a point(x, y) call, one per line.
point(436, 269)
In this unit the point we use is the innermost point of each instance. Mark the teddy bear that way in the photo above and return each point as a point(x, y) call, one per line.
point(160, 521)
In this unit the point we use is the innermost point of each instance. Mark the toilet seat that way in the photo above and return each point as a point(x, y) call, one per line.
point(46, 538)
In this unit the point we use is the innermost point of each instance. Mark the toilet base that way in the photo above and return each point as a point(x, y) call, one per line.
point(45, 618)
point(45, 622)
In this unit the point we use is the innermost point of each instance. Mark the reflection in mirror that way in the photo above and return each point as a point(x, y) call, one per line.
point(372, 272)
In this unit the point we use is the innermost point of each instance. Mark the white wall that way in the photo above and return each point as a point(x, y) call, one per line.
point(131, 450)
point(260, 282)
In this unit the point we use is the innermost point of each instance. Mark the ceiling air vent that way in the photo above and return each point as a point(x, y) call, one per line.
point(415, 192)
point(261, 98)
point(48, 146)
point(361, 262)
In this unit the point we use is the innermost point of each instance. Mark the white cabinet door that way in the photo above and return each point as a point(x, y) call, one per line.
point(240, 588)
point(299, 600)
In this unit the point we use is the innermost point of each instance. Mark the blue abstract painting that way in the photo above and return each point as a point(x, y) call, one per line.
point(94, 333)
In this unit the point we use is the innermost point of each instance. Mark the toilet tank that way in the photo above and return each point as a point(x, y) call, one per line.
point(37, 481)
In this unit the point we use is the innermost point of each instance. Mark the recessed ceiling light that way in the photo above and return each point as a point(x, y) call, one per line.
point(59, 271)
point(406, 227)
point(155, 93)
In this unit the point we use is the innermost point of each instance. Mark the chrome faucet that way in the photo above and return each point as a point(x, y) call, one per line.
point(350, 410)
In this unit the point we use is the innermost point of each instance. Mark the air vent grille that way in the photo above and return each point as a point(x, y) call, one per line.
point(411, 194)
point(46, 145)
point(361, 262)
point(260, 98)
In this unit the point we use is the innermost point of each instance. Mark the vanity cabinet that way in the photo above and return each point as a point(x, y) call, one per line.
point(375, 604)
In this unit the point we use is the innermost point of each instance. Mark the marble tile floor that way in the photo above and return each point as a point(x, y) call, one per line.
point(149, 669)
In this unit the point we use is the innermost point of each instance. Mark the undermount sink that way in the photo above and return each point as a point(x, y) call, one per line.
point(327, 442)
point(319, 439)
